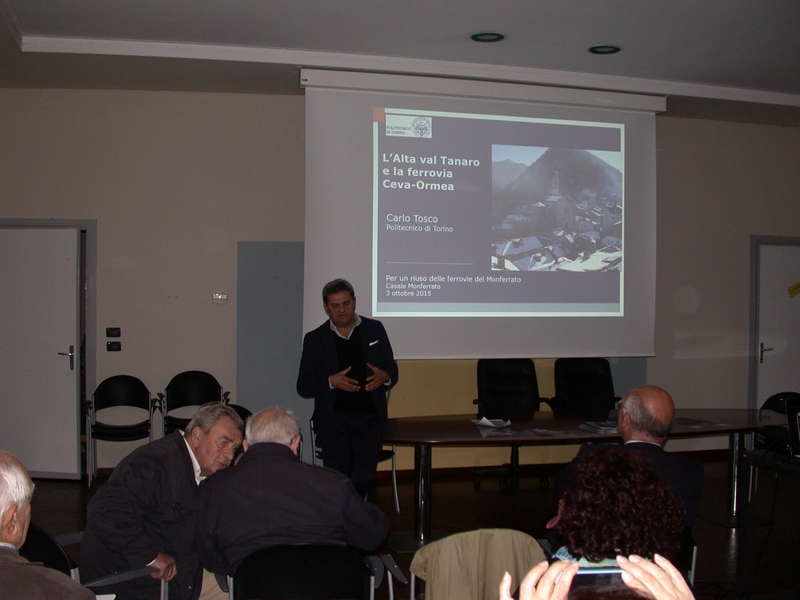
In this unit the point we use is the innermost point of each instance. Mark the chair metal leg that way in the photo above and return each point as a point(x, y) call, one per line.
point(394, 480)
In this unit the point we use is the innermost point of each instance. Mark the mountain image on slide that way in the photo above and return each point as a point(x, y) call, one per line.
point(563, 212)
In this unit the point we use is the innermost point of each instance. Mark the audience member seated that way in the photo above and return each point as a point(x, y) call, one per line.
point(145, 513)
point(615, 503)
point(20, 579)
point(272, 498)
point(657, 580)
point(644, 420)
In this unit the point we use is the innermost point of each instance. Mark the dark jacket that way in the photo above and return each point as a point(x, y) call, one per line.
point(146, 507)
point(271, 498)
point(320, 361)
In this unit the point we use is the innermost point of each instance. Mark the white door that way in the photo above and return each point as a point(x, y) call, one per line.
point(778, 352)
point(40, 349)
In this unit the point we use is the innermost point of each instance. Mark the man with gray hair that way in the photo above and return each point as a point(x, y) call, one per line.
point(18, 577)
point(145, 514)
point(644, 421)
point(272, 498)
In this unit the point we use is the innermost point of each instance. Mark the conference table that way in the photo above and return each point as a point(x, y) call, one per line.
point(544, 429)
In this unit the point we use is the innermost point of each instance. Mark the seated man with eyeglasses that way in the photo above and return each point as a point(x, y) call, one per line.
point(644, 420)
point(272, 498)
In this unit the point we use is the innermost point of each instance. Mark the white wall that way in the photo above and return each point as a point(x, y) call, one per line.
point(175, 180)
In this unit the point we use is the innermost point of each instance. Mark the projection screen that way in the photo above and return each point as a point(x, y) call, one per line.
point(481, 219)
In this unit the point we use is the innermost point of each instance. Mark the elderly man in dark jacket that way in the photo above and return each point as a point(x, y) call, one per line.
point(272, 498)
point(145, 514)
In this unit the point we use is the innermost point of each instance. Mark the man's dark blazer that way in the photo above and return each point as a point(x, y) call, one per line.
point(272, 498)
point(320, 361)
point(683, 474)
point(146, 507)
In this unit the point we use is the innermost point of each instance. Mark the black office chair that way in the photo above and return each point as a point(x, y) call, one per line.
point(190, 388)
point(303, 572)
point(120, 390)
point(770, 438)
point(508, 390)
point(584, 389)
point(41, 547)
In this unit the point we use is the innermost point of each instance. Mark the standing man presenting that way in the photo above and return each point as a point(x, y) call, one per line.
point(145, 514)
point(348, 367)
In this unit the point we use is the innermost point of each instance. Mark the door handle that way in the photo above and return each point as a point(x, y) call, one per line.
point(761, 352)
point(71, 355)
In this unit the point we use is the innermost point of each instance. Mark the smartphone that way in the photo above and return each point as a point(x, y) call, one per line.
point(597, 576)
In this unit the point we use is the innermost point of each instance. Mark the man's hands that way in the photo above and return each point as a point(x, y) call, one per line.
point(377, 379)
point(341, 381)
point(543, 582)
point(658, 579)
point(167, 569)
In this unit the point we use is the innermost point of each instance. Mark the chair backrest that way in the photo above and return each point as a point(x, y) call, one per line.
point(507, 387)
point(191, 388)
point(470, 565)
point(777, 402)
point(584, 386)
point(41, 547)
point(122, 390)
point(302, 571)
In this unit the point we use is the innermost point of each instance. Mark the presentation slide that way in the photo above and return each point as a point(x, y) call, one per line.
point(486, 215)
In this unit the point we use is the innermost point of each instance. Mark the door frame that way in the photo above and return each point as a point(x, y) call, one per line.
point(88, 228)
point(756, 241)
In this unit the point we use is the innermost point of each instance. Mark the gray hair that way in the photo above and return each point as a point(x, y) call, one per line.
point(16, 486)
point(211, 412)
point(272, 425)
point(642, 420)
point(336, 286)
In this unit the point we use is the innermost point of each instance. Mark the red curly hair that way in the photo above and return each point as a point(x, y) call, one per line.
point(616, 503)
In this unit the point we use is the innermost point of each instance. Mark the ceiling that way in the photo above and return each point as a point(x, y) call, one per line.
point(703, 54)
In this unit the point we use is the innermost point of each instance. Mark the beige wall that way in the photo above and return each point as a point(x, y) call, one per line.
point(175, 180)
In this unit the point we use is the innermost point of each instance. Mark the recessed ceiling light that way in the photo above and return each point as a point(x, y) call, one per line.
point(488, 37)
point(604, 49)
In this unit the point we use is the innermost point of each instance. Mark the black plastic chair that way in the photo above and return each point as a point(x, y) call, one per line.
point(41, 547)
point(771, 438)
point(584, 389)
point(303, 572)
point(119, 390)
point(508, 389)
point(190, 388)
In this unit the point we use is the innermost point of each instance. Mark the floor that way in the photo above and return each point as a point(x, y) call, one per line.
point(771, 550)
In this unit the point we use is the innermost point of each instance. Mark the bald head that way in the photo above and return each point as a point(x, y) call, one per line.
point(646, 414)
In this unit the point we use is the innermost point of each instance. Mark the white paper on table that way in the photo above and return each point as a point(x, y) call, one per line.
point(496, 423)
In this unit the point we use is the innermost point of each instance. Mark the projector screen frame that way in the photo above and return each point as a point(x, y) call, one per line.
point(328, 255)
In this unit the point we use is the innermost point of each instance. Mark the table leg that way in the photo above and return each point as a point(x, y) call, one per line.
point(422, 493)
point(735, 452)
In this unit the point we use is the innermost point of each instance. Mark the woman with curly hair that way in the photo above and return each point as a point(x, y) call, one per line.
point(616, 504)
